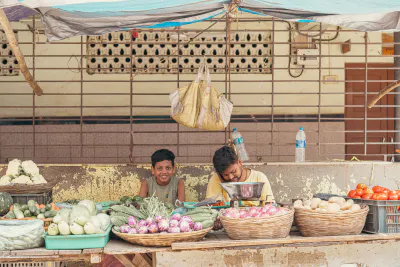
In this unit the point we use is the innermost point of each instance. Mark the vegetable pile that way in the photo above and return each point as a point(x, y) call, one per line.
point(177, 224)
point(334, 205)
point(375, 193)
point(32, 209)
point(81, 219)
point(254, 212)
point(19, 172)
point(154, 216)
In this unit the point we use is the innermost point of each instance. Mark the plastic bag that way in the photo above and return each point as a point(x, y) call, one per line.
point(24, 234)
point(199, 105)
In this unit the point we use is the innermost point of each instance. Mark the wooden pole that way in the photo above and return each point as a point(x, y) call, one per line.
point(382, 93)
point(18, 54)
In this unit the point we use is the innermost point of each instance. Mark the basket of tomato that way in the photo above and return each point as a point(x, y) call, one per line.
point(384, 207)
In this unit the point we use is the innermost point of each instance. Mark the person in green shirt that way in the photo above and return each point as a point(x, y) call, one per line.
point(164, 184)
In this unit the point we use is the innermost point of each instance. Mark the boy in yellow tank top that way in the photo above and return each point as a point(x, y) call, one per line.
point(228, 168)
point(163, 184)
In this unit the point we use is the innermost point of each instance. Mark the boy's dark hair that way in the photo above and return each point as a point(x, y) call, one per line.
point(161, 155)
point(223, 158)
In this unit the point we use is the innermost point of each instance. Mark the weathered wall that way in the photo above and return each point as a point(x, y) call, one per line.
point(374, 254)
point(288, 180)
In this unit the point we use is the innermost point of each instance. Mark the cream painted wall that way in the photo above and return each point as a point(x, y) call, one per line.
point(298, 86)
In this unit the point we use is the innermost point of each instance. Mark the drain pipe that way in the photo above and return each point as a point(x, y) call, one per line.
point(397, 95)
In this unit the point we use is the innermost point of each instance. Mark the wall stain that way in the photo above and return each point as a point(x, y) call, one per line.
point(315, 258)
point(244, 258)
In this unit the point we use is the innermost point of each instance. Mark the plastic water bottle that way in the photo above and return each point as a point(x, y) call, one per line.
point(301, 145)
point(239, 144)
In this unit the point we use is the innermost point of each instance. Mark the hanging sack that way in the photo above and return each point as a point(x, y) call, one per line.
point(199, 105)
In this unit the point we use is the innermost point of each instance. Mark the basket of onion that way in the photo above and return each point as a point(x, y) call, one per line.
point(161, 232)
point(335, 217)
point(257, 222)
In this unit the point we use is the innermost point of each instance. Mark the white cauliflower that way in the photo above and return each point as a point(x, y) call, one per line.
point(39, 180)
point(14, 168)
point(5, 180)
point(30, 168)
point(22, 179)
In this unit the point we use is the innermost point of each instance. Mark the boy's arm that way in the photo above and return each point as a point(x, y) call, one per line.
point(181, 190)
point(144, 189)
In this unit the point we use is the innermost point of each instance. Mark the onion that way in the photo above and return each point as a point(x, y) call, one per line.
point(142, 230)
point(272, 211)
point(153, 228)
point(125, 228)
point(252, 212)
point(197, 226)
point(132, 221)
point(163, 225)
point(173, 223)
point(142, 223)
point(132, 231)
point(176, 216)
point(174, 230)
point(157, 218)
point(149, 220)
point(186, 218)
point(241, 212)
point(184, 226)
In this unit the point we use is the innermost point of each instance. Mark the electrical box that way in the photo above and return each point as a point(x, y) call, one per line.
point(307, 57)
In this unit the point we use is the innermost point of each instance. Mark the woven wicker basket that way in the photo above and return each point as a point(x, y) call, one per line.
point(46, 222)
point(162, 240)
point(312, 223)
point(267, 227)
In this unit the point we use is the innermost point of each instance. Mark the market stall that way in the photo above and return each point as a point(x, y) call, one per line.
point(144, 231)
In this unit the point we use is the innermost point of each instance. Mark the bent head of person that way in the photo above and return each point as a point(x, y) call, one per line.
point(227, 164)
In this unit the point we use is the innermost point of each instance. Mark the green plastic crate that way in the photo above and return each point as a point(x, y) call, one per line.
point(68, 242)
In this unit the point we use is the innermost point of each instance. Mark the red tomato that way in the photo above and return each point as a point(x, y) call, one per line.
point(361, 186)
point(393, 192)
point(393, 197)
point(398, 192)
point(351, 193)
point(382, 196)
point(368, 191)
point(356, 197)
point(386, 191)
point(374, 196)
point(367, 196)
point(377, 189)
point(359, 192)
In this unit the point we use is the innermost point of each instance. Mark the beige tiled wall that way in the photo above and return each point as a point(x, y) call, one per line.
point(110, 143)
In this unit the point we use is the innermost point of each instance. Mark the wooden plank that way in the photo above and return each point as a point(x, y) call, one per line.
point(125, 260)
point(43, 258)
point(140, 261)
point(34, 252)
point(5, 253)
point(70, 252)
point(226, 242)
point(115, 247)
point(154, 259)
point(92, 251)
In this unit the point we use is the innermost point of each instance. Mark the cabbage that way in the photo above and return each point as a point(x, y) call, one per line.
point(90, 205)
point(79, 211)
point(65, 214)
point(53, 229)
point(89, 228)
point(39, 179)
point(57, 219)
point(104, 220)
point(96, 221)
point(76, 229)
point(81, 220)
point(63, 227)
